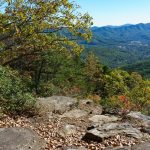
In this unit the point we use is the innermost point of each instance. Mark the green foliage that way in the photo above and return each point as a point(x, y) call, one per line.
point(122, 46)
point(66, 75)
point(127, 91)
point(14, 94)
point(57, 73)
point(49, 89)
point(142, 67)
point(34, 35)
point(28, 28)
point(117, 57)
point(111, 56)
point(116, 82)
point(93, 72)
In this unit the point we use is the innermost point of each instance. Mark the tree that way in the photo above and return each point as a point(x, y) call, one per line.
point(28, 27)
point(93, 74)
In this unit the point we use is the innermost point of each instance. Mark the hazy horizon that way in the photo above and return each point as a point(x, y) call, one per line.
point(116, 12)
point(118, 25)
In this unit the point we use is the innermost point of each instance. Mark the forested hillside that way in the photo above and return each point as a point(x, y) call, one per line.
point(143, 67)
point(117, 46)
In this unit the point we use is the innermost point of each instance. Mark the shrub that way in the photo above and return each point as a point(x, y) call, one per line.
point(126, 91)
point(118, 102)
point(14, 94)
point(49, 89)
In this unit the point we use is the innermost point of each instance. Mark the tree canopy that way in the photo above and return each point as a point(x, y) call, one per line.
point(28, 27)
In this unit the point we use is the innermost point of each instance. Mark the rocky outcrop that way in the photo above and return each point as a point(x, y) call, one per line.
point(143, 146)
point(56, 104)
point(146, 130)
point(110, 130)
point(75, 148)
point(99, 127)
point(120, 148)
point(101, 119)
point(145, 120)
point(75, 125)
point(20, 139)
point(89, 106)
point(75, 113)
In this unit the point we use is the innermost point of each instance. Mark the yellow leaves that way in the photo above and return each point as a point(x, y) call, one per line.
point(64, 2)
point(22, 16)
point(24, 22)
point(87, 36)
point(9, 2)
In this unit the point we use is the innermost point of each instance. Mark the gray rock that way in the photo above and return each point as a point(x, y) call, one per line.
point(90, 107)
point(74, 148)
point(119, 148)
point(67, 130)
point(97, 135)
point(75, 113)
point(87, 102)
point(20, 139)
point(146, 130)
point(97, 110)
point(56, 104)
point(133, 132)
point(49, 116)
point(110, 130)
point(143, 146)
point(142, 118)
point(112, 111)
point(138, 115)
point(101, 119)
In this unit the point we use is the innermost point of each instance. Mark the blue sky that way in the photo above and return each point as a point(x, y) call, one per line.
point(116, 12)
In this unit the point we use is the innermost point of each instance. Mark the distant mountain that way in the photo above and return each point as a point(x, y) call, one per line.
point(94, 28)
point(113, 26)
point(120, 45)
point(129, 34)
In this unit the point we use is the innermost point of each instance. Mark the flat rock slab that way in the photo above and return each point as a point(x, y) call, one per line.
point(138, 115)
point(143, 146)
point(142, 118)
point(101, 119)
point(119, 148)
point(20, 139)
point(75, 148)
point(110, 130)
point(75, 113)
point(67, 130)
point(56, 104)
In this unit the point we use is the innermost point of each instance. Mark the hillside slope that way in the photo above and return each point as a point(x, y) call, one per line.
point(119, 46)
point(132, 34)
point(141, 67)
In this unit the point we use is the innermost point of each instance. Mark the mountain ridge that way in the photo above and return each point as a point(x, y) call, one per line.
point(120, 46)
point(118, 26)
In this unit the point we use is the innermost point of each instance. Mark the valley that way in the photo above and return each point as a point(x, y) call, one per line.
point(120, 46)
